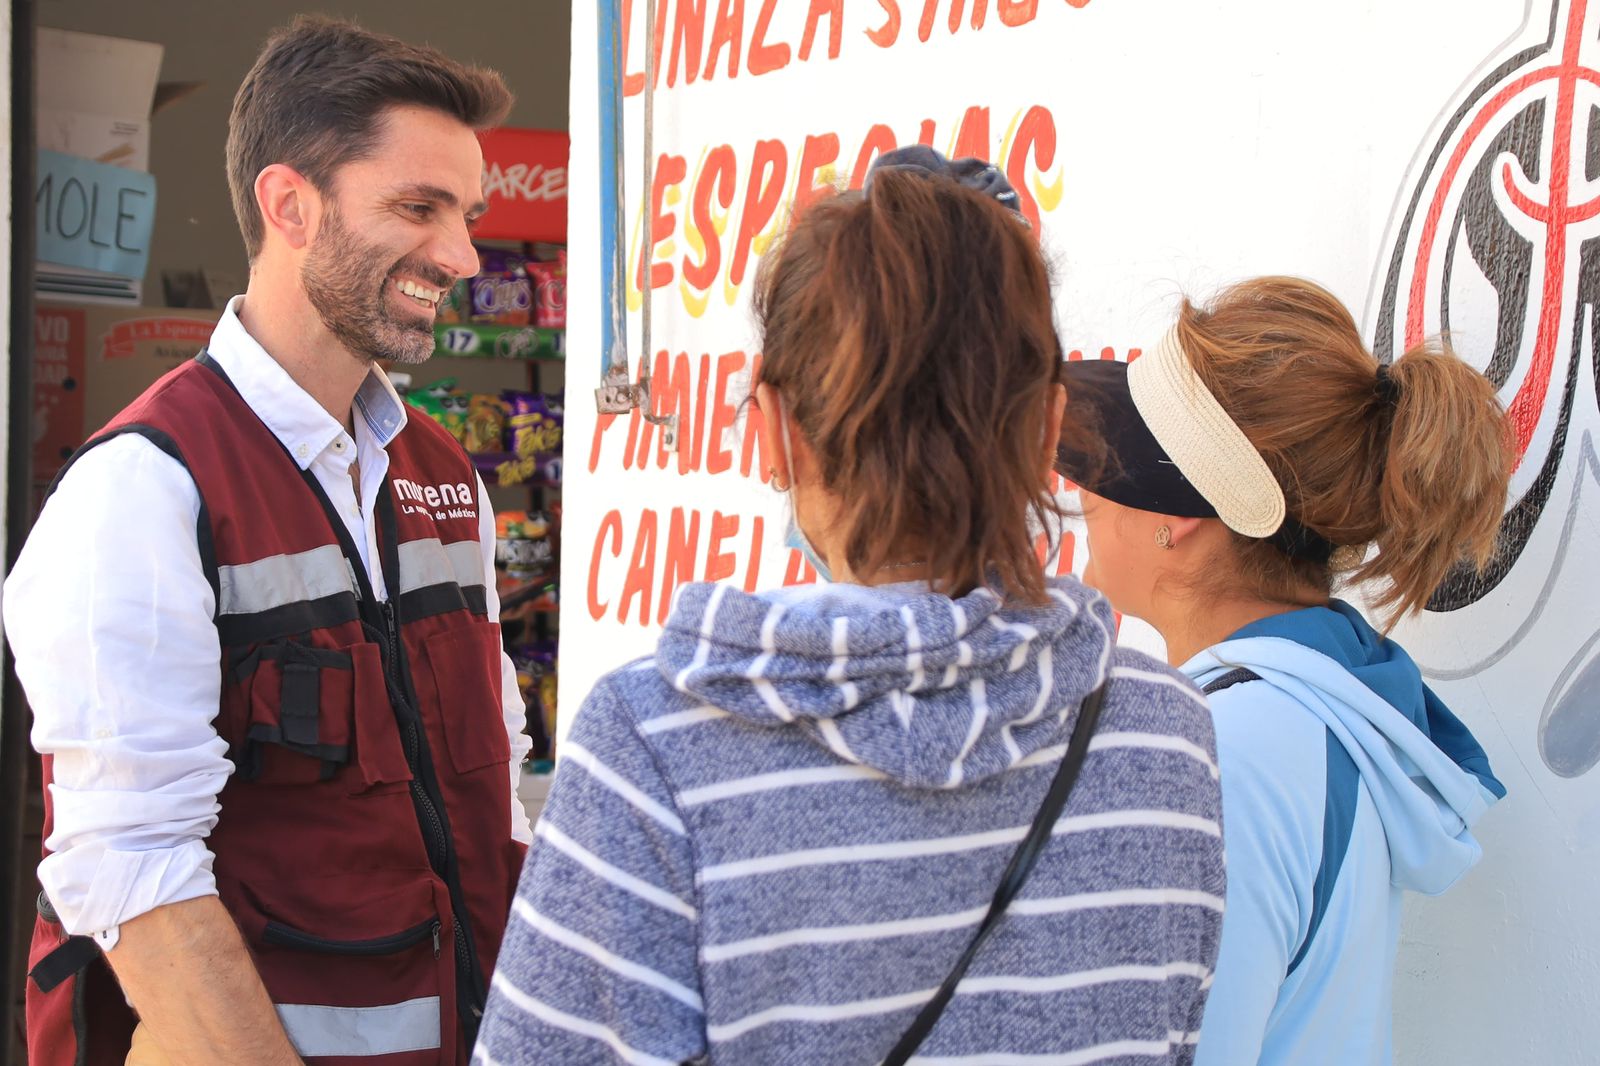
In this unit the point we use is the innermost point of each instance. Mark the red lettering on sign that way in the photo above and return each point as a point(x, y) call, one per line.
point(754, 422)
point(727, 31)
point(834, 9)
point(718, 177)
point(670, 170)
point(765, 58)
point(683, 543)
point(719, 563)
point(1036, 135)
point(768, 171)
point(886, 35)
point(752, 573)
point(687, 30)
point(798, 572)
point(973, 137)
point(820, 151)
point(641, 570)
point(723, 413)
point(612, 524)
point(879, 139)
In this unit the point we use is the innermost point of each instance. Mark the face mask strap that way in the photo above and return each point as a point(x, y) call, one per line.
point(797, 538)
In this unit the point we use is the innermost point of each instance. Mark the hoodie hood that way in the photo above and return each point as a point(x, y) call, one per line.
point(1428, 776)
point(932, 691)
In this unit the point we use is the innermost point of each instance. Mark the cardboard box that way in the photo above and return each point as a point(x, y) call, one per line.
point(90, 361)
point(95, 96)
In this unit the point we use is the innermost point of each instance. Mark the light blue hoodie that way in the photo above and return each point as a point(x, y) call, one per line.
point(1345, 780)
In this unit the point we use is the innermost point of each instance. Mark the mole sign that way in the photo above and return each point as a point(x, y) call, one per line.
point(92, 215)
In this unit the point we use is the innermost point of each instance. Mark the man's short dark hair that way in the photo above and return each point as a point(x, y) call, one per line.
point(316, 95)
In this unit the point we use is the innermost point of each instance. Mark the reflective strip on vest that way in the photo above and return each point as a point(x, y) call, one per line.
point(428, 562)
point(279, 580)
point(388, 1030)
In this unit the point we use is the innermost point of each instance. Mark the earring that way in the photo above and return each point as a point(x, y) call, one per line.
point(1164, 538)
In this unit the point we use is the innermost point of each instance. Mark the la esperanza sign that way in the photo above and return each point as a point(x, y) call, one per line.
point(1431, 162)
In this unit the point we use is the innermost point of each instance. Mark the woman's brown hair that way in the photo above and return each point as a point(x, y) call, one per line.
point(909, 333)
point(1413, 458)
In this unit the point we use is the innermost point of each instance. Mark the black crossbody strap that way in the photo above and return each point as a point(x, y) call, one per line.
point(1016, 875)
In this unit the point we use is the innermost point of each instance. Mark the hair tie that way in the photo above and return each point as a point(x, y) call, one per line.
point(1388, 387)
point(978, 175)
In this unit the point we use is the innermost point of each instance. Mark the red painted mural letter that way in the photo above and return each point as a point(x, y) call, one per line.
point(885, 36)
point(727, 30)
point(612, 524)
point(720, 564)
point(819, 151)
point(670, 171)
point(769, 169)
point(1036, 135)
point(641, 570)
point(717, 179)
point(765, 58)
point(834, 9)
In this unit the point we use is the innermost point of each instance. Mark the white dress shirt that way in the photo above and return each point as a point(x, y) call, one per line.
point(110, 617)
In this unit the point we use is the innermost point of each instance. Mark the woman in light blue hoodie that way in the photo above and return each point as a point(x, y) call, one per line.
point(1262, 456)
point(774, 840)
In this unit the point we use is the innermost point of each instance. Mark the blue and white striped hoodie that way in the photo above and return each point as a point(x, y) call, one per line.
point(769, 843)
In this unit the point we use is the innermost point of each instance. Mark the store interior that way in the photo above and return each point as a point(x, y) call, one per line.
point(497, 378)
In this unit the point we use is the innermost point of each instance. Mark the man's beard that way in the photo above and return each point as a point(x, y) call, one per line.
point(348, 283)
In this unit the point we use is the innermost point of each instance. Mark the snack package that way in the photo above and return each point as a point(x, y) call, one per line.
point(534, 425)
point(549, 281)
point(522, 544)
point(502, 293)
point(456, 307)
point(485, 427)
point(440, 402)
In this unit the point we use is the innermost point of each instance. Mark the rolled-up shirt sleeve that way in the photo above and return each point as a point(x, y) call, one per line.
point(109, 614)
point(513, 709)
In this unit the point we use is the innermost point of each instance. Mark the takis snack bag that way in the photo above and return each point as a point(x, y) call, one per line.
point(535, 424)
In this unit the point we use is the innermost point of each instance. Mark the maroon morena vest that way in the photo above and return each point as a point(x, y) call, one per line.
point(364, 842)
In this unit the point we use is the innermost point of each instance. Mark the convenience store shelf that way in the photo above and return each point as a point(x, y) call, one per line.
point(480, 340)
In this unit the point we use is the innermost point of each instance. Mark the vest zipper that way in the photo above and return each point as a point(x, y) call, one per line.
point(285, 936)
point(470, 990)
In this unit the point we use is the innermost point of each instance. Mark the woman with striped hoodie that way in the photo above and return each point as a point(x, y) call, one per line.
point(825, 825)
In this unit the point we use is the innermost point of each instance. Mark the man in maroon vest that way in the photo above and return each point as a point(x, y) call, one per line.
point(256, 622)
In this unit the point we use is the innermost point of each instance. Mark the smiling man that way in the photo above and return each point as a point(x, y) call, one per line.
point(280, 738)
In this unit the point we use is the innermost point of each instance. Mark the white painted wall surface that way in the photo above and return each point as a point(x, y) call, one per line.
point(1199, 142)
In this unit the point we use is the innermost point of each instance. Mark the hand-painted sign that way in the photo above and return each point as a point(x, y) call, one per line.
point(1153, 167)
point(94, 216)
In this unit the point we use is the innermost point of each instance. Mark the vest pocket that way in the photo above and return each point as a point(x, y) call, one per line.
point(354, 966)
point(299, 714)
point(296, 726)
point(466, 668)
point(378, 750)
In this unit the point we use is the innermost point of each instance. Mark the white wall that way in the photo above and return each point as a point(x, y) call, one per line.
point(1197, 142)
